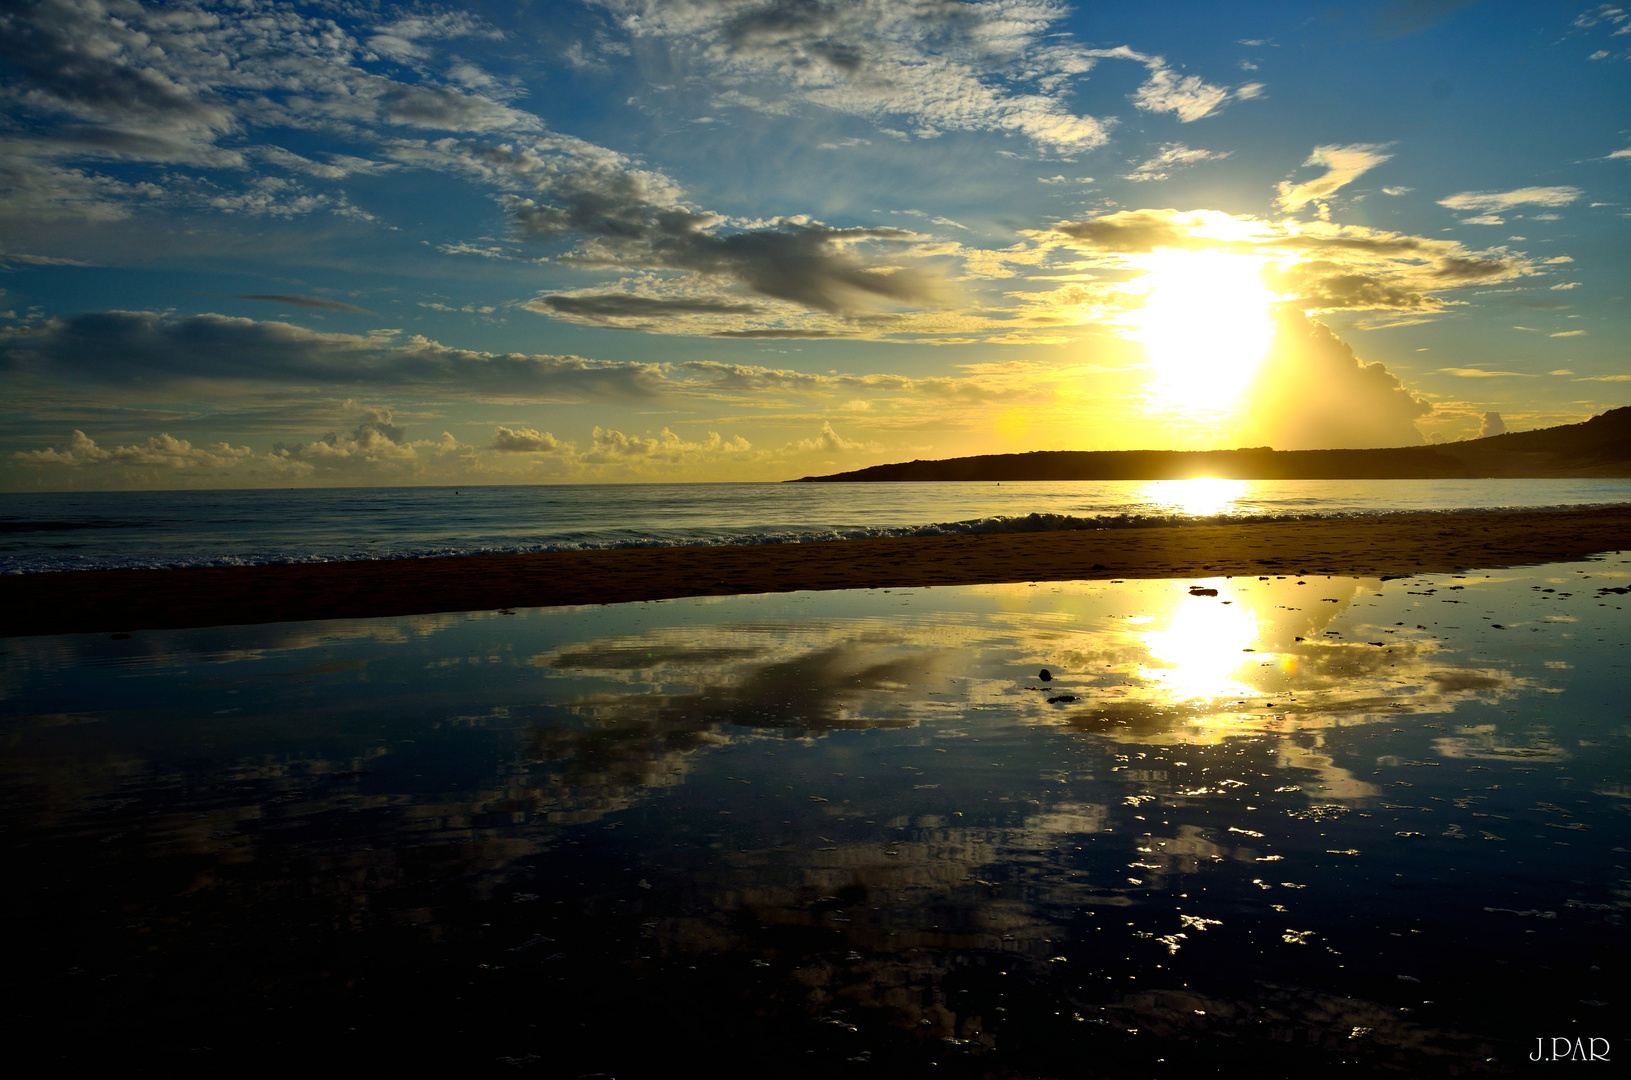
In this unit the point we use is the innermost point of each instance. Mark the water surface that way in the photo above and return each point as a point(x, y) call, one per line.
point(69, 531)
point(1296, 827)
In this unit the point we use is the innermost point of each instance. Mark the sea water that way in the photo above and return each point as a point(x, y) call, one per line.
point(1299, 827)
point(64, 531)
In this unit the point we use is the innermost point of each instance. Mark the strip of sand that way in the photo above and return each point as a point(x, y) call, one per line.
point(126, 600)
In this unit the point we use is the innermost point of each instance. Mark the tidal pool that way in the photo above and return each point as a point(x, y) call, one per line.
point(1285, 825)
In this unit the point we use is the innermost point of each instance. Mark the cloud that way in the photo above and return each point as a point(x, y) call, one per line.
point(1313, 265)
point(1312, 392)
point(136, 348)
point(616, 214)
point(1343, 165)
point(375, 450)
point(632, 311)
point(829, 441)
point(1502, 201)
point(197, 83)
point(1492, 425)
point(1400, 18)
point(1626, 153)
point(614, 447)
point(1171, 157)
point(1568, 333)
point(160, 451)
point(942, 67)
point(939, 67)
point(295, 300)
point(1188, 96)
point(525, 440)
point(9, 257)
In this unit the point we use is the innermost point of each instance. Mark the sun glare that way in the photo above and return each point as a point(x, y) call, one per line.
point(1199, 497)
point(1205, 324)
point(1199, 650)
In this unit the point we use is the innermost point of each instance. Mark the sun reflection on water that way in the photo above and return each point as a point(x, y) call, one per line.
point(1202, 645)
point(1200, 497)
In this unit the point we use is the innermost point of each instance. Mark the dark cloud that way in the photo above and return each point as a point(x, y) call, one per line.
point(1401, 18)
point(604, 306)
point(803, 262)
point(1332, 291)
point(296, 300)
point(127, 347)
point(777, 334)
point(1134, 231)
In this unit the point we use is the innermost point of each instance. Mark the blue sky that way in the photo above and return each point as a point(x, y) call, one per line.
point(258, 243)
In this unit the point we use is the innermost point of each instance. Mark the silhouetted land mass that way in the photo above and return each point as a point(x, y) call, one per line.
point(1599, 447)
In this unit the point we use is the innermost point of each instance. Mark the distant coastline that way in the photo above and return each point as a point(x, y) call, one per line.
point(1599, 447)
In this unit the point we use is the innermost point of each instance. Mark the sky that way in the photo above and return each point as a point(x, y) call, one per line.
point(261, 244)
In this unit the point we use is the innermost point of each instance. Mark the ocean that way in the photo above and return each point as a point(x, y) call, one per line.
point(69, 531)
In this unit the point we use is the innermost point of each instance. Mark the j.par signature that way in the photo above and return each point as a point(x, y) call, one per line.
point(1562, 1048)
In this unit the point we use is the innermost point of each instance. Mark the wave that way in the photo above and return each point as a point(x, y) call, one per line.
point(586, 540)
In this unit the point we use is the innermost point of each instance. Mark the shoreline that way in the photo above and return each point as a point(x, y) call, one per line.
point(111, 601)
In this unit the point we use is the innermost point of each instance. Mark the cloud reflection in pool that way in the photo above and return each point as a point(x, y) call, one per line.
point(1247, 817)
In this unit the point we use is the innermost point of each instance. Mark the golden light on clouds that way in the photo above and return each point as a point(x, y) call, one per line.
point(1206, 325)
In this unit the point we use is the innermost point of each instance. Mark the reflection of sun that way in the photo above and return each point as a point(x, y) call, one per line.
point(1200, 497)
point(1205, 324)
point(1202, 642)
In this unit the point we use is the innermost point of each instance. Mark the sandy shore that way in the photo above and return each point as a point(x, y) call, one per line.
point(128, 600)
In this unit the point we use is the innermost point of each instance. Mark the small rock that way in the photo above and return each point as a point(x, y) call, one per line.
point(1046, 675)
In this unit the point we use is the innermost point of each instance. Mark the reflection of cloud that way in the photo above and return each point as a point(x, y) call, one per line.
point(831, 685)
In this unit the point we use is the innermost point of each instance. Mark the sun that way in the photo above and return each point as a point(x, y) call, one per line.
point(1205, 323)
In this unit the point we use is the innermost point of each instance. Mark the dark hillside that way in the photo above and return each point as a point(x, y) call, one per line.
point(1600, 446)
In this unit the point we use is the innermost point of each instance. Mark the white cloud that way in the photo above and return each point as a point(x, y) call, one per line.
point(614, 447)
point(1500, 201)
point(1312, 392)
point(526, 440)
point(1342, 164)
point(160, 451)
point(978, 66)
point(1188, 96)
point(199, 83)
point(1172, 156)
point(830, 442)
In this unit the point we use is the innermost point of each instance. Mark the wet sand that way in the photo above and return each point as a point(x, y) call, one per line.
point(130, 600)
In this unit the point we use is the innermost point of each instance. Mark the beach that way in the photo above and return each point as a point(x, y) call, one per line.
point(126, 600)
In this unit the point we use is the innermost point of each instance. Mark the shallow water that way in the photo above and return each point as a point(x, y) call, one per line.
point(1295, 827)
point(73, 530)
